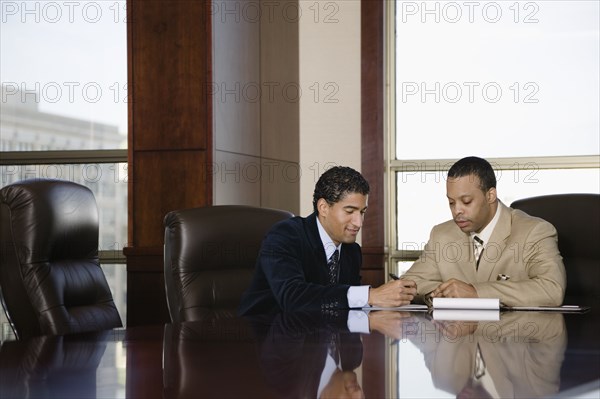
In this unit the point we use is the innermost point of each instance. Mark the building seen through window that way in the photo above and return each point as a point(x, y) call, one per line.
point(63, 98)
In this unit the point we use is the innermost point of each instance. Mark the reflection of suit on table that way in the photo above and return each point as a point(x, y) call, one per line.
point(294, 349)
point(519, 356)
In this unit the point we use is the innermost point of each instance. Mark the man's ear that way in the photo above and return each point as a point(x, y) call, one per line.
point(491, 195)
point(322, 207)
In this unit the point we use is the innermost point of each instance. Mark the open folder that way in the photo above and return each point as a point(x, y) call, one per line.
point(489, 305)
point(560, 309)
point(494, 304)
point(406, 308)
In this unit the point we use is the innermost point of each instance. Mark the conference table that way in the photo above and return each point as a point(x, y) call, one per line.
point(407, 354)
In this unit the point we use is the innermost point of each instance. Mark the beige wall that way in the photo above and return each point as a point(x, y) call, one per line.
point(256, 125)
point(330, 67)
point(271, 146)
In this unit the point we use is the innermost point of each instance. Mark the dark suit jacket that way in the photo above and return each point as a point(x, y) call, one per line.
point(291, 271)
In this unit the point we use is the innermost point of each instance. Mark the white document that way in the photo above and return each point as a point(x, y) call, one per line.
point(467, 303)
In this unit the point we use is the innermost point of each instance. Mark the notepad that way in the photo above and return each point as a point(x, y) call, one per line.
point(466, 303)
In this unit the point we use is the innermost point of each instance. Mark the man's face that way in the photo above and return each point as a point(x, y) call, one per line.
point(471, 208)
point(343, 220)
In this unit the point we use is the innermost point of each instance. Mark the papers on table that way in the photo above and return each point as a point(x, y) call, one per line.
point(560, 309)
point(466, 309)
point(406, 308)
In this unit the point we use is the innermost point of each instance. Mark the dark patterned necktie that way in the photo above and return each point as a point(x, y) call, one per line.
point(333, 266)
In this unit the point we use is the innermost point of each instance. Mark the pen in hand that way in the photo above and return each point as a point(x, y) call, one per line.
point(406, 283)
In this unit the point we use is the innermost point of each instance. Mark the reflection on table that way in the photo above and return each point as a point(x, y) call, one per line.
point(519, 356)
point(523, 354)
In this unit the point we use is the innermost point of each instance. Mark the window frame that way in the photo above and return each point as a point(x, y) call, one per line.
point(393, 165)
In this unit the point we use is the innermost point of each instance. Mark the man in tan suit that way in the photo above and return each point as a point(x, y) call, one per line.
point(488, 250)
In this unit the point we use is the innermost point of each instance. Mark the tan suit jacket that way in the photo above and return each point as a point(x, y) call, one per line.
point(522, 247)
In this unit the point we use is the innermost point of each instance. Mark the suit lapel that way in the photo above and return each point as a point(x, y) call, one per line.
point(466, 260)
point(318, 252)
point(496, 245)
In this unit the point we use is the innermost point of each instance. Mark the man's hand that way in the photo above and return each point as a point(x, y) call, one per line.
point(454, 288)
point(393, 293)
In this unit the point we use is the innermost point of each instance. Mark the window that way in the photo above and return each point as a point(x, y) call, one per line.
point(64, 74)
point(514, 82)
point(63, 94)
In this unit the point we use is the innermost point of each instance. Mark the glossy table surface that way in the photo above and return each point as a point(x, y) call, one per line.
point(407, 355)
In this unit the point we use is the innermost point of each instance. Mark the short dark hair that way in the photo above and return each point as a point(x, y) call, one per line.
point(338, 181)
point(475, 166)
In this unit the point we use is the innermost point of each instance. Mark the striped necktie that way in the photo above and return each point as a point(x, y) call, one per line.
point(333, 266)
point(477, 249)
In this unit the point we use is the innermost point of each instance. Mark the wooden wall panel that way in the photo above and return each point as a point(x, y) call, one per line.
point(171, 75)
point(169, 181)
point(170, 136)
point(373, 166)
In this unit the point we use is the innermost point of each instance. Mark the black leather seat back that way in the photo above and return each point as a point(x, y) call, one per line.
point(210, 254)
point(576, 217)
point(50, 275)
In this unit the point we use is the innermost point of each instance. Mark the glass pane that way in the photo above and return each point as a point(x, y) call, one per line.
point(64, 75)
point(421, 197)
point(116, 275)
point(108, 182)
point(402, 267)
point(497, 79)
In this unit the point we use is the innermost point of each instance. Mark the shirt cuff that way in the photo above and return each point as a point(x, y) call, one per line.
point(358, 296)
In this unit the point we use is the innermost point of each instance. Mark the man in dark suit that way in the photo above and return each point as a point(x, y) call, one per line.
point(314, 262)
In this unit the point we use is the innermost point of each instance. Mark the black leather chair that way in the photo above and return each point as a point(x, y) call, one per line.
point(576, 217)
point(210, 254)
point(50, 276)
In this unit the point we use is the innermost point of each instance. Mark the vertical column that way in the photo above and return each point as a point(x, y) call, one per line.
point(372, 134)
point(170, 136)
point(372, 166)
